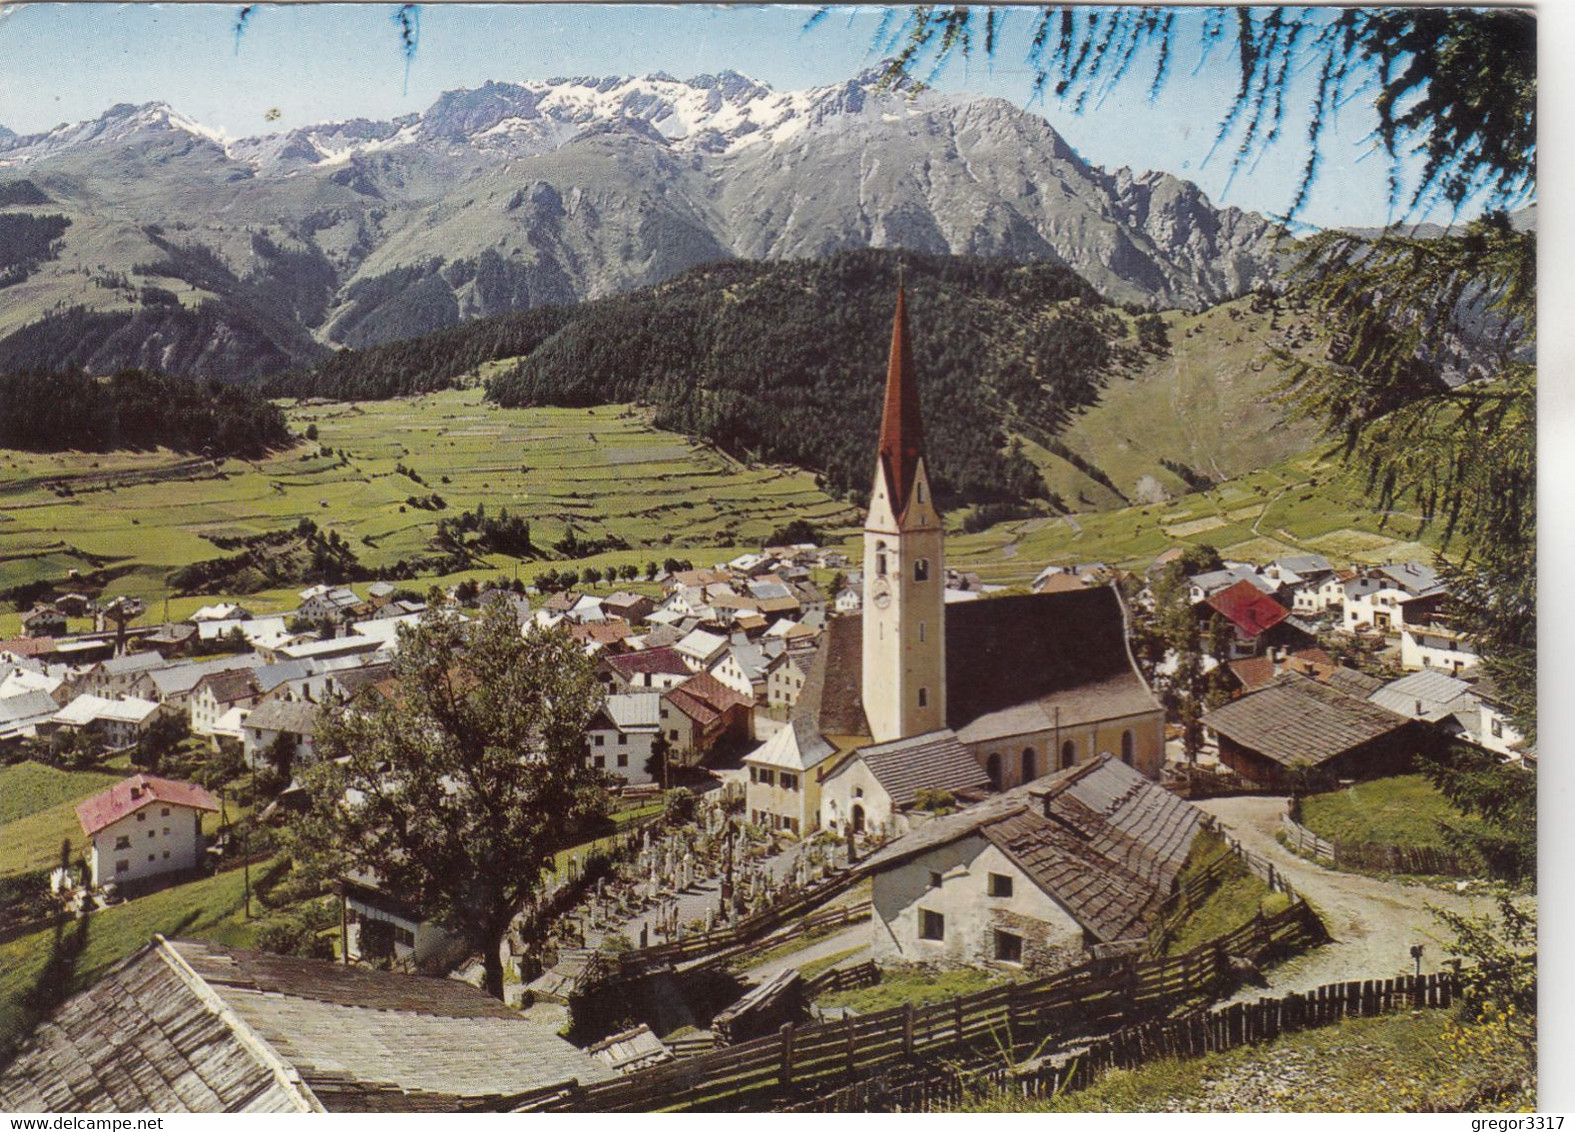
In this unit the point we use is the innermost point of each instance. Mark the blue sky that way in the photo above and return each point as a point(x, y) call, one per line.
point(317, 62)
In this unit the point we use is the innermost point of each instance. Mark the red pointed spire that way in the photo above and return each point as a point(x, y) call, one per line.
point(901, 429)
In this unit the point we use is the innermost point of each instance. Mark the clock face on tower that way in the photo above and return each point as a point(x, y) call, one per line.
point(882, 594)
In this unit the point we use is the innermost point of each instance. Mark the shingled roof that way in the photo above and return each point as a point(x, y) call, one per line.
point(1297, 721)
point(188, 1025)
point(936, 761)
point(1100, 839)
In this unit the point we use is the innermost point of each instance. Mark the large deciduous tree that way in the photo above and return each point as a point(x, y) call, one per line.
point(456, 786)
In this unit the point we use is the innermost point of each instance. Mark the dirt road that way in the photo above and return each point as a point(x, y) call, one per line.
point(1374, 921)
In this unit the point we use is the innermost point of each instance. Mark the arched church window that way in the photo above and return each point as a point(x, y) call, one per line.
point(1028, 764)
point(924, 697)
point(1126, 747)
point(921, 632)
point(880, 558)
point(919, 491)
point(1068, 754)
point(921, 569)
point(992, 770)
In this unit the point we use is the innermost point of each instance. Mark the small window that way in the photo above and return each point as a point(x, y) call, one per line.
point(141, 816)
point(924, 697)
point(623, 740)
point(152, 833)
point(880, 562)
point(405, 937)
point(122, 842)
point(600, 740)
point(165, 812)
point(767, 777)
point(151, 857)
point(1127, 747)
point(1008, 947)
point(932, 925)
point(921, 632)
point(598, 762)
point(935, 879)
point(1068, 754)
point(788, 781)
point(166, 854)
point(1028, 765)
point(1000, 885)
point(919, 492)
point(122, 866)
point(921, 569)
point(166, 831)
point(623, 758)
point(992, 770)
point(673, 735)
point(1497, 727)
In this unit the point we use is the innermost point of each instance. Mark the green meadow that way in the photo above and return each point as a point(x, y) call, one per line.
point(136, 517)
point(1305, 504)
point(139, 516)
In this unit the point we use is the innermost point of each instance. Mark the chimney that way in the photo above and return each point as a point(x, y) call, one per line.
point(1419, 708)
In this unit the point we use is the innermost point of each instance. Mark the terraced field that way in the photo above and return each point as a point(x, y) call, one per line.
point(138, 516)
point(1307, 504)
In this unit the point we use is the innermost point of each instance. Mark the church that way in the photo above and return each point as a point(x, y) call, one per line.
point(914, 696)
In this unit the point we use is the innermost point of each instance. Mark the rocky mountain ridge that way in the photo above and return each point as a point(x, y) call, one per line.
point(515, 195)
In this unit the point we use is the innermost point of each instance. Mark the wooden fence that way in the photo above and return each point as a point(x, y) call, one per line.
point(1417, 860)
point(928, 1088)
point(865, 974)
point(803, 1061)
point(728, 942)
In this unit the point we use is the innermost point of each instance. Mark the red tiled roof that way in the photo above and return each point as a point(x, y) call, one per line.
point(704, 698)
point(30, 646)
point(608, 632)
point(131, 794)
point(1247, 608)
point(663, 660)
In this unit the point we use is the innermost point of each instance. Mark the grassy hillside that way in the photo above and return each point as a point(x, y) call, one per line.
point(1304, 504)
point(1426, 1062)
point(209, 908)
point(1204, 411)
point(133, 518)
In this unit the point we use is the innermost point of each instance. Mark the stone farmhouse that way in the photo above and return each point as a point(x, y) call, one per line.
point(1034, 877)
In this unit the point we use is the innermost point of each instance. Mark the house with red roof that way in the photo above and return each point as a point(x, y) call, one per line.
point(143, 827)
point(702, 712)
point(1256, 619)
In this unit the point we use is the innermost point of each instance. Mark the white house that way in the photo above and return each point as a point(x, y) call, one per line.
point(784, 788)
point(143, 827)
point(216, 693)
point(293, 719)
point(875, 788)
point(117, 723)
point(1436, 644)
point(333, 602)
point(380, 926)
point(701, 649)
point(622, 735)
point(1034, 877)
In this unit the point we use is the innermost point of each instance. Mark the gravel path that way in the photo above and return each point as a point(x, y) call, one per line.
point(857, 935)
point(1374, 921)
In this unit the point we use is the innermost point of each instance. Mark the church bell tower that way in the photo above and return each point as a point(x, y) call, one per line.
point(904, 566)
